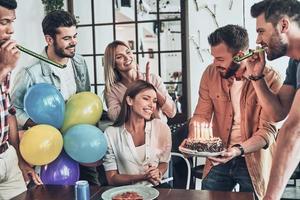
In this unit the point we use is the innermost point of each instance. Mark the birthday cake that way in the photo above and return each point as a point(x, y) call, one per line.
point(202, 143)
point(213, 144)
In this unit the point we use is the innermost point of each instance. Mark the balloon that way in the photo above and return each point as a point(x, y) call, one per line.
point(62, 171)
point(41, 144)
point(82, 108)
point(45, 105)
point(85, 143)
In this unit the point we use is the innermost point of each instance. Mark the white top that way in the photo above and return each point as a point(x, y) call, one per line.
point(122, 154)
point(141, 152)
point(67, 80)
point(235, 94)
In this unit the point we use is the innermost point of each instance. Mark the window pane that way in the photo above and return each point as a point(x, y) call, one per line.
point(126, 33)
point(85, 41)
point(90, 63)
point(169, 9)
point(82, 11)
point(100, 69)
point(147, 10)
point(153, 59)
point(104, 35)
point(103, 14)
point(124, 11)
point(100, 90)
point(170, 36)
point(147, 37)
point(170, 66)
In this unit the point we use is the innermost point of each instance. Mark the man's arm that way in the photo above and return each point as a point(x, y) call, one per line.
point(287, 153)
point(27, 171)
point(251, 145)
point(22, 82)
point(277, 105)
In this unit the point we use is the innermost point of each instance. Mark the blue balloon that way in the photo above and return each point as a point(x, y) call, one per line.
point(62, 171)
point(85, 143)
point(45, 105)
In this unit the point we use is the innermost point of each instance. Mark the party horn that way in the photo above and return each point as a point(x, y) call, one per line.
point(239, 58)
point(43, 58)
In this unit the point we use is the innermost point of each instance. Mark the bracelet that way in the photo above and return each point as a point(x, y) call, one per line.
point(240, 148)
point(256, 78)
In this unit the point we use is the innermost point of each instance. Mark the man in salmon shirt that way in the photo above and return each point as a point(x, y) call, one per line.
point(228, 100)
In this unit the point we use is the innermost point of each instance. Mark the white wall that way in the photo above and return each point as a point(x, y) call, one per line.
point(28, 29)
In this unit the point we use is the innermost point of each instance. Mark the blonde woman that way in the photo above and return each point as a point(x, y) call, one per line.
point(120, 70)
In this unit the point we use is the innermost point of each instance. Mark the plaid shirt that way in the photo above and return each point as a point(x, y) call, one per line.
point(4, 109)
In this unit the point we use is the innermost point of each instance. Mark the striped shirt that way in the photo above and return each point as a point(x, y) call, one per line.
point(4, 109)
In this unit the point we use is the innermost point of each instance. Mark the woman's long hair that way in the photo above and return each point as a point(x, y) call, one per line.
point(134, 89)
point(111, 73)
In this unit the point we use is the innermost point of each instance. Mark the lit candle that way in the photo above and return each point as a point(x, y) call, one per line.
point(210, 131)
point(201, 127)
point(195, 130)
point(198, 130)
point(206, 131)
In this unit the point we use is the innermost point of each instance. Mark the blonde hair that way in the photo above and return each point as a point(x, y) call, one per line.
point(111, 73)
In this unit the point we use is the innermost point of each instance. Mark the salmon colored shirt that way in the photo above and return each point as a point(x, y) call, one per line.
point(115, 97)
point(215, 103)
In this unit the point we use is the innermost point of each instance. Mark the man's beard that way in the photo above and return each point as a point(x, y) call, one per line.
point(231, 71)
point(61, 53)
point(276, 47)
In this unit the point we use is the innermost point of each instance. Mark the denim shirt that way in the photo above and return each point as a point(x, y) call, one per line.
point(41, 72)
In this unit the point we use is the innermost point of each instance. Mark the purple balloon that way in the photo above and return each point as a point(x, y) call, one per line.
point(62, 171)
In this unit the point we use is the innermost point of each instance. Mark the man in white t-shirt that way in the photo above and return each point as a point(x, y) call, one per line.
point(60, 32)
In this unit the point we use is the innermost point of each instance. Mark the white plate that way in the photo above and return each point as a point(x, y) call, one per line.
point(199, 154)
point(148, 193)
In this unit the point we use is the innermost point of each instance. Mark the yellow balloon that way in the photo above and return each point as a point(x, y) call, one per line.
point(82, 108)
point(41, 144)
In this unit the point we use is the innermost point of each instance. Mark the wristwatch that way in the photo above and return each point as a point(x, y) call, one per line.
point(256, 78)
point(240, 148)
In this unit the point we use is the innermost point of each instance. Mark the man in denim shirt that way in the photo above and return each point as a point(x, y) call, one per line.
point(59, 28)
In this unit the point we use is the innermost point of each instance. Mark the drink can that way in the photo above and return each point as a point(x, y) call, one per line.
point(82, 190)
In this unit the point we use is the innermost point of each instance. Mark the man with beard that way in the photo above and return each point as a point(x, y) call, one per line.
point(13, 169)
point(278, 28)
point(59, 28)
point(228, 100)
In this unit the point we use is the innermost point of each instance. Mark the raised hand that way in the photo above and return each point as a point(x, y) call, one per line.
point(147, 73)
point(138, 75)
point(255, 64)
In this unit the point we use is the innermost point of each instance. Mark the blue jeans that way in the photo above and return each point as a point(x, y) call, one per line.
point(224, 177)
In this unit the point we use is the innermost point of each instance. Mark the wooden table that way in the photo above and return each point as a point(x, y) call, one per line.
point(67, 193)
